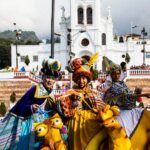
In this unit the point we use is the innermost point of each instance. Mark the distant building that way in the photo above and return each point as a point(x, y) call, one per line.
point(84, 33)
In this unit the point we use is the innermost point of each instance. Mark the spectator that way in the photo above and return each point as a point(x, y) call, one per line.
point(22, 69)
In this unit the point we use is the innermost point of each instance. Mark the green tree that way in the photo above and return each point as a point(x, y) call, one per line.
point(127, 58)
point(5, 53)
point(37, 67)
point(115, 37)
point(13, 97)
point(2, 109)
point(27, 60)
point(95, 74)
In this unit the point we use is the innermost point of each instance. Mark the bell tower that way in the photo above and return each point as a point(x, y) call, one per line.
point(85, 27)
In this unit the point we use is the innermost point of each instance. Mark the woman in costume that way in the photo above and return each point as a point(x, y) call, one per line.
point(134, 120)
point(79, 108)
point(15, 128)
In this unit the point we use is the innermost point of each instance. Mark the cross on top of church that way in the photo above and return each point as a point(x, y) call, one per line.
point(63, 11)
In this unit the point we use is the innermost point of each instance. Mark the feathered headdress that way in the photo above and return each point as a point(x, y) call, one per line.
point(51, 69)
point(82, 66)
point(110, 65)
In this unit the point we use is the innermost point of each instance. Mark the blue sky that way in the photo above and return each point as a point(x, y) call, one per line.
point(35, 15)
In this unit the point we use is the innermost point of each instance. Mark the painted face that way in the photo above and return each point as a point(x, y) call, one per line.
point(48, 84)
point(82, 81)
point(115, 75)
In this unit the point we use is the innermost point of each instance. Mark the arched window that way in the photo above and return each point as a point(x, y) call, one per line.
point(121, 40)
point(89, 15)
point(103, 39)
point(80, 15)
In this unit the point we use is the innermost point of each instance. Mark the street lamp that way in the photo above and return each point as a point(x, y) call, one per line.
point(144, 33)
point(18, 36)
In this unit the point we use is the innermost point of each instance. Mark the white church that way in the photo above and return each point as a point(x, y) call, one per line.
point(83, 33)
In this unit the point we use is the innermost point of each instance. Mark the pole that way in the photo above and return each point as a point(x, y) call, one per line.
point(16, 55)
point(143, 50)
point(70, 58)
point(144, 33)
point(52, 29)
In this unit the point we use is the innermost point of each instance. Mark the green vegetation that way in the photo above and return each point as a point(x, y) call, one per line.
point(127, 58)
point(95, 74)
point(7, 38)
point(5, 53)
point(2, 109)
point(13, 97)
point(27, 60)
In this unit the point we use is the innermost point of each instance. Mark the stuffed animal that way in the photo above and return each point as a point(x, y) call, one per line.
point(118, 139)
point(51, 130)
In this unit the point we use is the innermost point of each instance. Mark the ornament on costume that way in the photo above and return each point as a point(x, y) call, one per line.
point(55, 65)
point(51, 69)
point(81, 66)
point(93, 59)
point(110, 65)
point(76, 63)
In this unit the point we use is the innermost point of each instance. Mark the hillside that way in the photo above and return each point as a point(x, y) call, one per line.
point(25, 36)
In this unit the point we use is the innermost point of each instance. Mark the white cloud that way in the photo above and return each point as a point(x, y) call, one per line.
point(35, 15)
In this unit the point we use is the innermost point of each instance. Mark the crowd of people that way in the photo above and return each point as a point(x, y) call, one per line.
point(141, 67)
point(86, 113)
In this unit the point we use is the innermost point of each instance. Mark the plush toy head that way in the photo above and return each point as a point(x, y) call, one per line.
point(109, 112)
point(41, 129)
point(55, 121)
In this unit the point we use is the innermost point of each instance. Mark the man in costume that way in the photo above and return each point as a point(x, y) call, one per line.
point(15, 128)
point(79, 108)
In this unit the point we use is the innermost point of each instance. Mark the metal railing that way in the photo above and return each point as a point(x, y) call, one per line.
point(138, 73)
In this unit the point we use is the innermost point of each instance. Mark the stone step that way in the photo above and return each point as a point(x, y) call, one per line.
point(13, 85)
point(8, 94)
point(7, 98)
point(18, 92)
point(20, 87)
point(15, 89)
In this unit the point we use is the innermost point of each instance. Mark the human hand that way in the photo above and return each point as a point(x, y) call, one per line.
point(74, 99)
point(100, 105)
point(35, 107)
point(147, 95)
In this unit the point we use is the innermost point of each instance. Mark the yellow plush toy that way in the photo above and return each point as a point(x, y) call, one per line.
point(117, 135)
point(50, 130)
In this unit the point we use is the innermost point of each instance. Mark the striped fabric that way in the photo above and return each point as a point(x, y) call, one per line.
point(14, 132)
point(9, 132)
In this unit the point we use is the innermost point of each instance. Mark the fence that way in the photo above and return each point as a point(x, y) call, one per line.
point(130, 74)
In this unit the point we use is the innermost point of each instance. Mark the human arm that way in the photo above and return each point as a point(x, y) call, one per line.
point(147, 95)
point(23, 107)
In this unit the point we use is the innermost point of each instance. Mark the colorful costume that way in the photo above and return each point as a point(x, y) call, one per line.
point(79, 108)
point(82, 122)
point(15, 128)
point(134, 120)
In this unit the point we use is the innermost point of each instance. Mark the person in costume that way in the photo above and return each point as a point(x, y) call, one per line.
point(119, 94)
point(108, 81)
point(79, 107)
point(15, 128)
point(134, 120)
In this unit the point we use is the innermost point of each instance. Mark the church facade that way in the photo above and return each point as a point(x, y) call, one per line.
point(84, 33)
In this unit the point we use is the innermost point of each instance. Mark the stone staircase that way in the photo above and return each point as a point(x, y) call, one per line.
point(143, 83)
point(19, 86)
